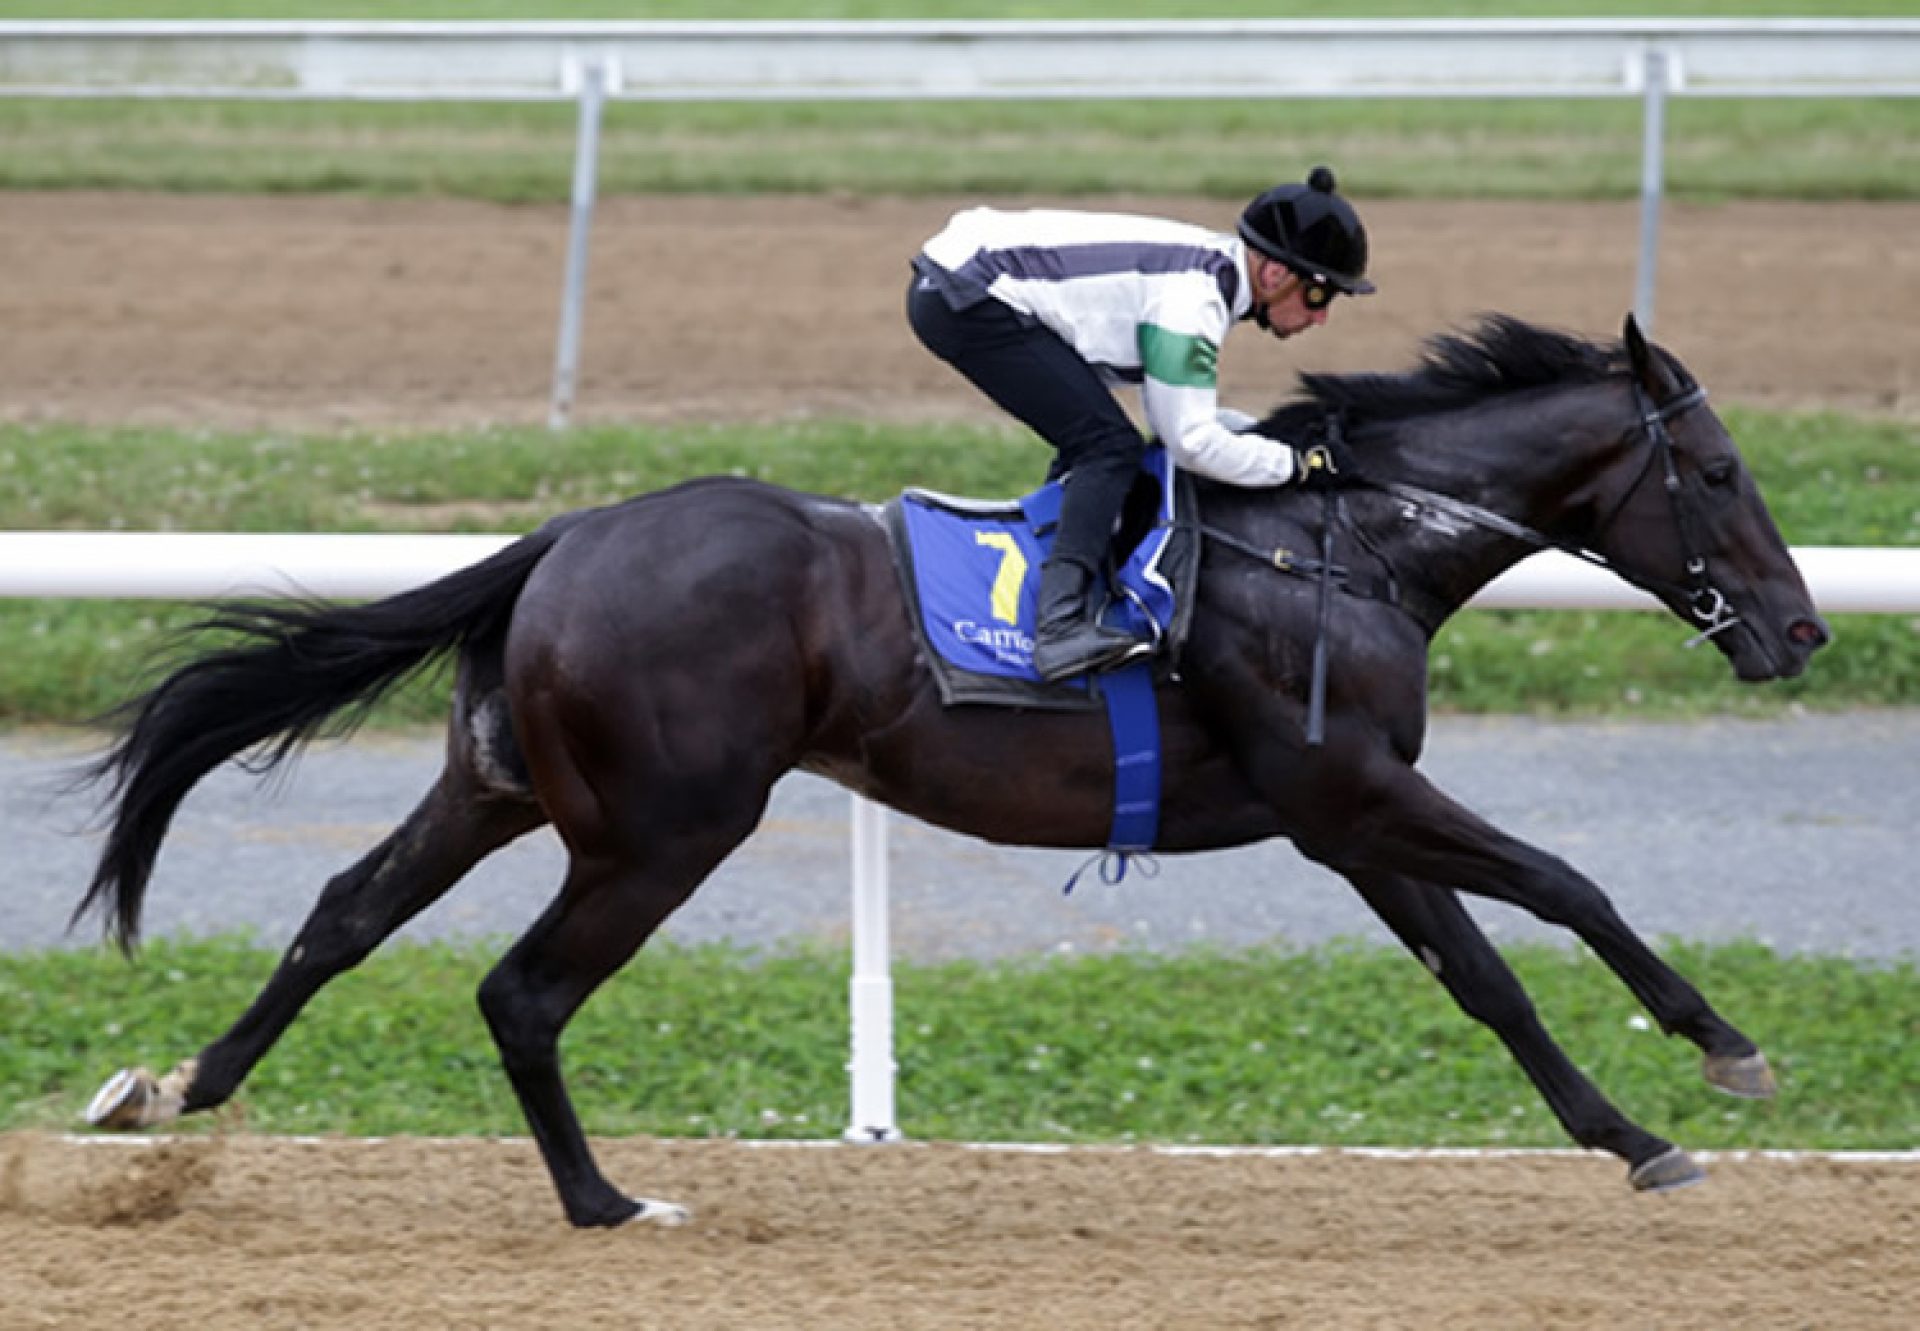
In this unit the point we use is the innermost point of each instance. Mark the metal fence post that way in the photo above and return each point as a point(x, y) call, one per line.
point(1652, 176)
point(586, 159)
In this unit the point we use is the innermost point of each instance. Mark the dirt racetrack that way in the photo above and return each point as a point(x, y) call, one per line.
point(259, 1234)
point(321, 313)
point(298, 313)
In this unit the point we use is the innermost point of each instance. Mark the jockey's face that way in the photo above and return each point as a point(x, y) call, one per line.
point(1286, 303)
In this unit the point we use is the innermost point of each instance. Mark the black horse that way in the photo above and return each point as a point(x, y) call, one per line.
point(640, 676)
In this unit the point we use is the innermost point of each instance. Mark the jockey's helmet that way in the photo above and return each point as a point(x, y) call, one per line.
point(1311, 230)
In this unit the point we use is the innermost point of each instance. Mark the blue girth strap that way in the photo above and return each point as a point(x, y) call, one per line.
point(1135, 723)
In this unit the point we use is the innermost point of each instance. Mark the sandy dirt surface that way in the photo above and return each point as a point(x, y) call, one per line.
point(304, 313)
point(260, 1234)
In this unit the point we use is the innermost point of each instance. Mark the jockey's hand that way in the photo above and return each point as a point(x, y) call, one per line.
point(1325, 463)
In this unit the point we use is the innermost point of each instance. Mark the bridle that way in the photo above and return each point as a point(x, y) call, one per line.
point(1704, 601)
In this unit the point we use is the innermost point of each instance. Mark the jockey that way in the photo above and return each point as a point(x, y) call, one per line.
point(1041, 310)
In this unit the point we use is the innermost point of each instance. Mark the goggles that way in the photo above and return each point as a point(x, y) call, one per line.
point(1316, 293)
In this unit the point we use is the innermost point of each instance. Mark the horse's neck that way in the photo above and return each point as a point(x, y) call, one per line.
point(1529, 462)
point(1534, 462)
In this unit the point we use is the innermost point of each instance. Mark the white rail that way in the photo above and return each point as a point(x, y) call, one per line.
point(1651, 59)
point(961, 59)
point(194, 566)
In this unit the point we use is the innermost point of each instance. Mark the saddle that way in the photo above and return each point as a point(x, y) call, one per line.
point(969, 570)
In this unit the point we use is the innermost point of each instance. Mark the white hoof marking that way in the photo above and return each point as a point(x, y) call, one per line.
point(668, 1215)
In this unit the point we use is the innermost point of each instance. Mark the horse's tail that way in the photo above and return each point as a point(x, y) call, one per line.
point(298, 670)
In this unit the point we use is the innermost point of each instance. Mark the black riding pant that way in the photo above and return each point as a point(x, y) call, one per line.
point(1033, 375)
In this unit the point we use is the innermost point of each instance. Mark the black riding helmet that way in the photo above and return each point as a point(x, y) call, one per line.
point(1312, 230)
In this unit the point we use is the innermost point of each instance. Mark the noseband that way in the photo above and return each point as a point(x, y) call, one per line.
point(1704, 601)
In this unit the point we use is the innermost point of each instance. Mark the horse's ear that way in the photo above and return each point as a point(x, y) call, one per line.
point(1636, 344)
point(1646, 367)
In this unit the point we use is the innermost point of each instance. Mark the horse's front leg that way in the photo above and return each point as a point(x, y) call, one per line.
point(1397, 823)
point(1435, 927)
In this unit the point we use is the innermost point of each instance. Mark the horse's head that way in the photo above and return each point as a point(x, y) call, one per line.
point(1529, 437)
point(1685, 520)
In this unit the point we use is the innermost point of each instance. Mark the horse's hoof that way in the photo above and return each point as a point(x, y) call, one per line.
point(668, 1215)
point(134, 1098)
point(1672, 1168)
point(1748, 1077)
point(120, 1105)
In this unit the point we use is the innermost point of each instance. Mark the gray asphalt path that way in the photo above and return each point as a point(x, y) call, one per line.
point(1800, 832)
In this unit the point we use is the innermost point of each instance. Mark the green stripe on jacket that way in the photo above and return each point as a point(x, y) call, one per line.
point(1179, 359)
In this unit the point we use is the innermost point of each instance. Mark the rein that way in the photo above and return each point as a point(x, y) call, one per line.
point(1704, 601)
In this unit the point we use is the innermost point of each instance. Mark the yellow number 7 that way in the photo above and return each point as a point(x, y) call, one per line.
point(1013, 572)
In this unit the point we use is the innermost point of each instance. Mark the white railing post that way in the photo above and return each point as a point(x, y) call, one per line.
point(1653, 136)
point(586, 170)
point(871, 992)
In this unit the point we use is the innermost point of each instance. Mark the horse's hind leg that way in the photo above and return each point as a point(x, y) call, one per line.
point(1437, 929)
point(454, 827)
point(617, 893)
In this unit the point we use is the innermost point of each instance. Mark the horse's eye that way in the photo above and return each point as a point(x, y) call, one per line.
point(1719, 473)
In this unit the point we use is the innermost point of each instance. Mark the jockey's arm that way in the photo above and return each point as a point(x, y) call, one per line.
point(1181, 404)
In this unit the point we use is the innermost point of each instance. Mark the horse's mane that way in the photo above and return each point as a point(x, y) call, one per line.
point(1499, 354)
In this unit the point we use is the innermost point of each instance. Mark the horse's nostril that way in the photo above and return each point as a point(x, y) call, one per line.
point(1808, 633)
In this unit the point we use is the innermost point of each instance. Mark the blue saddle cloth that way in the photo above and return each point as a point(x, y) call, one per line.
point(970, 570)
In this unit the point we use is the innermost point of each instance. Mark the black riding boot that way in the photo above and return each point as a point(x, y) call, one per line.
point(1067, 639)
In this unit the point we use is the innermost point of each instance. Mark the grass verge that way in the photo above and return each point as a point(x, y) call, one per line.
point(1348, 1045)
point(1716, 149)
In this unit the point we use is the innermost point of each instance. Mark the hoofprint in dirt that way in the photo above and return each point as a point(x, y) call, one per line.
point(239, 1231)
point(127, 308)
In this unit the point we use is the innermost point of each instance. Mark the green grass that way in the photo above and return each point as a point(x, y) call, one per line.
point(1831, 480)
point(1793, 148)
point(1554, 149)
point(1342, 1044)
